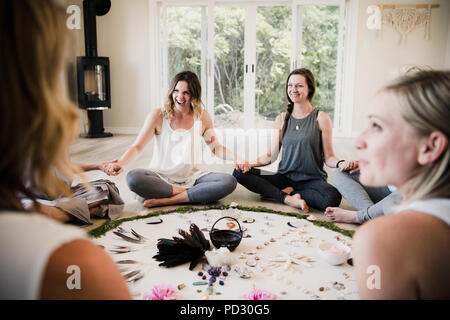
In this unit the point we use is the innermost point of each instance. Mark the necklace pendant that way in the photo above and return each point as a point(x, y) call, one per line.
point(296, 127)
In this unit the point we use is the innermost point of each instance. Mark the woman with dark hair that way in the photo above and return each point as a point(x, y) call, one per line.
point(305, 133)
point(176, 174)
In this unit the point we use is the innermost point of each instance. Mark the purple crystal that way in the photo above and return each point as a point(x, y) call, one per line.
point(225, 274)
point(204, 277)
point(200, 273)
point(212, 280)
point(221, 282)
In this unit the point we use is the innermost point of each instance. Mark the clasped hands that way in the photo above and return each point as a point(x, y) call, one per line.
point(242, 165)
point(111, 168)
point(351, 166)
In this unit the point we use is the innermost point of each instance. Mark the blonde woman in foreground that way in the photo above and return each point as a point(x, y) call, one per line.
point(37, 124)
point(406, 255)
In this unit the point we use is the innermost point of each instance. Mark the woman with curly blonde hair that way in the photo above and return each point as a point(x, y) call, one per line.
point(407, 145)
point(37, 124)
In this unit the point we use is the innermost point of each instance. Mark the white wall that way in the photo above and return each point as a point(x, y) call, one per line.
point(447, 56)
point(124, 36)
point(380, 60)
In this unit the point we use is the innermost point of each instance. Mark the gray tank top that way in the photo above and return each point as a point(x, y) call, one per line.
point(302, 157)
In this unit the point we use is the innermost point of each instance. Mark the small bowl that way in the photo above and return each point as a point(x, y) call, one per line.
point(226, 238)
point(335, 253)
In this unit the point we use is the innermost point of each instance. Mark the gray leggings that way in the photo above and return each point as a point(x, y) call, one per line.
point(370, 202)
point(208, 188)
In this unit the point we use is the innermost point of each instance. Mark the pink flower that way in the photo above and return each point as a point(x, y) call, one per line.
point(161, 292)
point(258, 294)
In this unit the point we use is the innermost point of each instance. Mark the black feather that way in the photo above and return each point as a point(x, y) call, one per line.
point(176, 251)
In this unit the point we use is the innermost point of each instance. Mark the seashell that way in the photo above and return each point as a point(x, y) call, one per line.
point(257, 258)
point(311, 218)
point(272, 240)
point(246, 235)
point(249, 220)
point(154, 220)
point(250, 252)
point(231, 225)
point(233, 204)
point(266, 243)
point(338, 286)
point(259, 247)
point(243, 272)
point(251, 262)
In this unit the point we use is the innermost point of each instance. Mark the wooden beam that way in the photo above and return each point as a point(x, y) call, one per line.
point(418, 6)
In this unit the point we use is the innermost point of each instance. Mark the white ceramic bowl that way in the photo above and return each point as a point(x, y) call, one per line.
point(335, 253)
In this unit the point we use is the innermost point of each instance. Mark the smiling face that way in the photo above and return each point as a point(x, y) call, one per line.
point(389, 147)
point(181, 96)
point(297, 88)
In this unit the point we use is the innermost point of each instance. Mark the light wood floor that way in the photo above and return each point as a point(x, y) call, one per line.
point(99, 150)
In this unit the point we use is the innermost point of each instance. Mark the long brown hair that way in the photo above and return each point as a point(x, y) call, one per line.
point(310, 81)
point(37, 121)
point(196, 93)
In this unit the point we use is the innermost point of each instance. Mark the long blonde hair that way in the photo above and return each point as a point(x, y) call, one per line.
point(424, 101)
point(37, 121)
point(196, 94)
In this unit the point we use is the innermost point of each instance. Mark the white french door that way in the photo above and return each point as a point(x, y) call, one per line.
point(243, 51)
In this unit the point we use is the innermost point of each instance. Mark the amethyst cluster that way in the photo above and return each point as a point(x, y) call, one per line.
point(214, 274)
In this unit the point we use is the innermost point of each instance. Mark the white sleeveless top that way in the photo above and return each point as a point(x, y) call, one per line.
point(178, 154)
point(437, 207)
point(27, 242)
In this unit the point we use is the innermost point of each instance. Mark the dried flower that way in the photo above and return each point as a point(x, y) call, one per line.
point(258, 294)
point(161, 292)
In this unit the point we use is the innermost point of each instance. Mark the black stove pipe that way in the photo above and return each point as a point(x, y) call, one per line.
point(90, 28)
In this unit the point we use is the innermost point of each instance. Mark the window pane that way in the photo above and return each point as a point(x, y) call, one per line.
point(273, 57)
point(184, 42)
point(320, 51)
point(228, 68)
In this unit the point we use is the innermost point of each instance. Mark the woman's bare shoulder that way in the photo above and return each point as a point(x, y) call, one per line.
point(99, 277)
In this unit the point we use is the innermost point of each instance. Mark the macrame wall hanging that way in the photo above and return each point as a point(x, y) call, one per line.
point(403, 18)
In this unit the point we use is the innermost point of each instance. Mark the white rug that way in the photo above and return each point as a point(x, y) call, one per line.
point(279, 258)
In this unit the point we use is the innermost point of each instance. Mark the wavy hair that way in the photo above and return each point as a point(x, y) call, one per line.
point(424, 102)
point(37, 120)
point(196, 94)
point(310, 81)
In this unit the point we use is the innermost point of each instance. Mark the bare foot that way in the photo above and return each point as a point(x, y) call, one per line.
point(296, 201)
point(177, 190)
point(288, 190)
point(179, 198)
point(150, 203)
point(341, 215)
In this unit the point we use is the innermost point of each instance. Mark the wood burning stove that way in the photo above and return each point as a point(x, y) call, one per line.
point(93, 72)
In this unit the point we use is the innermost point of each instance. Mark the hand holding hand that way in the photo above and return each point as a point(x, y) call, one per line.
point(111, 168)
point(243, 165)
point(350, 165)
